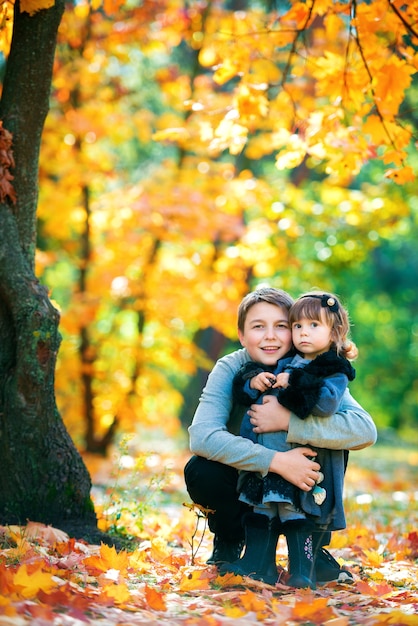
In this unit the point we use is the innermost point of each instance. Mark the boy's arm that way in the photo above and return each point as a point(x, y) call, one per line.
point(350, 428)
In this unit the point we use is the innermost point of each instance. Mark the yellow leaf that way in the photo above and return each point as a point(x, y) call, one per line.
point(159, 549)
point(401, 176)
point(252, 602)
point(194, 580)
point(373, 126)
point(374, 558)
point(225, 72)
point(234, 612)
point(394, 156)
point(288, 159)
point(390, 84)
point(171, 134)
point(119, 593)
point(251, 104)
point(139, 561)
point(264, 71)
point(228, 580)
point(28, 584)
point(32, 6)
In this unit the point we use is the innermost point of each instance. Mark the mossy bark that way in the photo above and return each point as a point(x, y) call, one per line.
point(42, 475)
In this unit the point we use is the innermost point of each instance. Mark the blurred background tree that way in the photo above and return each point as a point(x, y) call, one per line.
point(195, 150)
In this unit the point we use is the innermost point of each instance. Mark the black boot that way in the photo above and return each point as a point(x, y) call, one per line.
point(224, 550)
point(327, 569)
point(301, 562)
point(259, 559)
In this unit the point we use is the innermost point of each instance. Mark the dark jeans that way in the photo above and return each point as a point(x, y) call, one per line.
point(213, 485)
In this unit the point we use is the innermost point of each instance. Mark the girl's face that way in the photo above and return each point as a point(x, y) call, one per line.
point(266, 334)
point(311, 337)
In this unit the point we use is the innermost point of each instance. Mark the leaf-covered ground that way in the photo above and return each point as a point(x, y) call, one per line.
point(160, 575)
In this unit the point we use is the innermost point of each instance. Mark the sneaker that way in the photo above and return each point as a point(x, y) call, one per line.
point(225, 551)
point(327, 569)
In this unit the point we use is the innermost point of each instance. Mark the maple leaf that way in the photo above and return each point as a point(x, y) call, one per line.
point(29, 583)
point(155, 599)
point(413, 542)
point(35, 530)
point(198, 509)
point(108, 559)
point(312, 609)
point(401, 176)
point(196, 579)
point(227, 70)
point(228, 580)
point(159, 549)
point(390, 84)
point(374, 558)
point(119, 593)
point(33, 6)
point(375, 591)
point(252, 602)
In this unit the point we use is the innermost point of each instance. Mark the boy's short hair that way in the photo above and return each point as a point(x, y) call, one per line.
point(270, 295)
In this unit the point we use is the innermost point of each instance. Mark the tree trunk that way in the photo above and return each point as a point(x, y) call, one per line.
point(42, 476)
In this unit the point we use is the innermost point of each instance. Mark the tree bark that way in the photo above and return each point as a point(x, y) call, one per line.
point(42, 475)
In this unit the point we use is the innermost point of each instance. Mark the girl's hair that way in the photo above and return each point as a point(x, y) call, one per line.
point(315, 304)
point(264, 294)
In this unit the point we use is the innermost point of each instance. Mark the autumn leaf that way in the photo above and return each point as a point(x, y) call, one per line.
point(413, 543)
point(33, 6)
point(155, 599)
point(118, 592)
point(35, 530)
point(373, 590)
point(7, 163)
point(195, 579)
point(401, 176)
point(373, 557)
point(109, 559)
point(313, 609)
point(252, 601)
point(29, 582)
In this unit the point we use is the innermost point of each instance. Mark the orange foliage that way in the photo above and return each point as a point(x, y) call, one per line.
point(153, 581)
point(156, 211)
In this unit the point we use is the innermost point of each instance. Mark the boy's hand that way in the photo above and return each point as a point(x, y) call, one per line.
point(269, 416)
point(263, 381)
point(297, 467)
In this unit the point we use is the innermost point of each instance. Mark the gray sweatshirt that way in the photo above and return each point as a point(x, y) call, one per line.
point(352, 428)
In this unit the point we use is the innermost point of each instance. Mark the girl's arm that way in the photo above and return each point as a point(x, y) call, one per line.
point(307, 394)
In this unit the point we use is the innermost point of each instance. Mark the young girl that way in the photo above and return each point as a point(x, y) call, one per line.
point(312, 381)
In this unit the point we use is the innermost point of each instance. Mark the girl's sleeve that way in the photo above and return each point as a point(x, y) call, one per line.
point(317, 388)
point(308, 394)
point(241, 390)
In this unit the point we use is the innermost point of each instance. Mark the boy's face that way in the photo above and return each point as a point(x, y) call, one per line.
point(266, 336)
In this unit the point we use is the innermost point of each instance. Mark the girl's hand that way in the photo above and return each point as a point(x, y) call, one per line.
point(282, 380)
point(263, 381)
point(296, 467)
